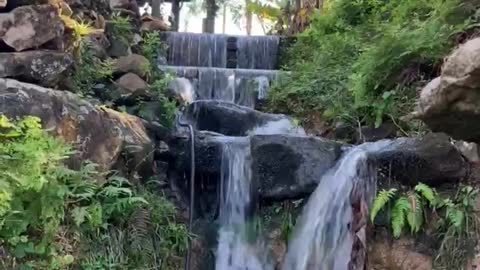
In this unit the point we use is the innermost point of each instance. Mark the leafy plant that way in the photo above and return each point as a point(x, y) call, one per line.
point(152, 45)
point(122, 28)
point(455, 219)
point(361, 61)
point(52, 217)
point(90, 71)
point(407, 209)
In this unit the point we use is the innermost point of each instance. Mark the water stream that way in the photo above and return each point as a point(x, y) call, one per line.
point(239, 248)
point(323, 238)
point(220, 67)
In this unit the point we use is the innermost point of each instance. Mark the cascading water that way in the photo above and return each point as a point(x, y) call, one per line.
point(323, 237)
point(237, 249)
point(222, 51)
point(240, 86)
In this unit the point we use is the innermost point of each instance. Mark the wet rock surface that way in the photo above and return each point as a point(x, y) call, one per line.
point(288, 167)
point(233, 120)
point(430, 159)
point(101, 135)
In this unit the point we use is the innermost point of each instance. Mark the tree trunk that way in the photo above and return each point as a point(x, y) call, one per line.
point(209, 21)
point(156, 8)
point(176, 14)
point(248, 15)
point(224, 22)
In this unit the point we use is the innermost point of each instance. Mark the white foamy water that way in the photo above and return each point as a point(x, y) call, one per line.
point(322, 238)
point(281, 126)
point(236, 250)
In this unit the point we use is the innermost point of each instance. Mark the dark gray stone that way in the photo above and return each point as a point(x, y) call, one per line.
point(288, 167)
point(430, 159)
point(228, 118)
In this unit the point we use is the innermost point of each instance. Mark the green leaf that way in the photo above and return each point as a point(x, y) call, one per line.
point(427, 192)
point(399, 212)
point(415, 214)
point(80, 215)
point(380, 201)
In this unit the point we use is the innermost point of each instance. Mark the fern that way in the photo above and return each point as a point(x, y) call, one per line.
point(399, 213)
point(381, 201)
point(415, 214)
point(427, 192)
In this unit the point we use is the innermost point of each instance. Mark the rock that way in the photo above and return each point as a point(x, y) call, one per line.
point(399, 255)
point(40, 67)
point(289, 166)
point(235, 120)
point(130, 5)
point(133, 63)
point(131, 84)
point(30, 26)
point(469, 150)
point(99, 44)
point(451, 103)
point(430, 159)
point(371, 134)
point(208, 153)
point(150, 23)
point(111, 139)
point(118, 48)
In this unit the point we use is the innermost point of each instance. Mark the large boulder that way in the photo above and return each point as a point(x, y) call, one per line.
point(109, 138)
point(451, 102)
point(430, 159)
point(235, 120)
point(40, 67)
point(290, 166)
point(30, 26)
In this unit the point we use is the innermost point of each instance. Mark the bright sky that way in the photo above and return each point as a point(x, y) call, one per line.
point(189, 23)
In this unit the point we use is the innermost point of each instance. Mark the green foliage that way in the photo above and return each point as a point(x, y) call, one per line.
point(52, 217)
point(152, 45)
point(90, 71)
point(455, 222)
point(362, 60)
point(408, 209)
point(122, 28)
point(169, 107)
point(458, 230)
point(383, 197)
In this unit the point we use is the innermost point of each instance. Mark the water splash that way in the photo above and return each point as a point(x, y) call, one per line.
point(280, 126)
point(323, 237)
point(236, 250)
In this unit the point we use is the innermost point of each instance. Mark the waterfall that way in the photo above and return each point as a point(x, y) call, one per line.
point(238, 247)
point(222, 51)
point(241, 86)
point(323, 236)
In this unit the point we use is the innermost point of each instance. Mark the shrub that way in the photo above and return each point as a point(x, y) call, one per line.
point(52, 217)
point(356, 51)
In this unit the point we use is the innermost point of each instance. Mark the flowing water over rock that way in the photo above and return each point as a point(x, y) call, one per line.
point(245, 87)
point(323, 236)
point(222, 51)
point(238, 246)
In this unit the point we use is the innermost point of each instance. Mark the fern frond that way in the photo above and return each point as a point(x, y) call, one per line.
point(381, 200)
point(455, 217)
point(426, 192)
point(399, 213)
point(415, 214)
